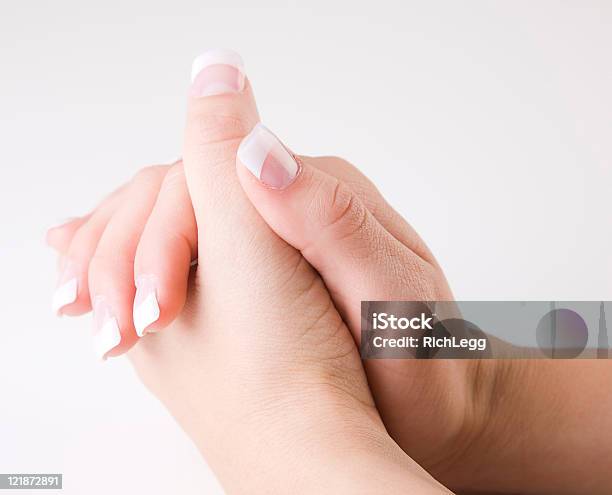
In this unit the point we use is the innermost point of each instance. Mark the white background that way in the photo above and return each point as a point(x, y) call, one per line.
point(487, 124)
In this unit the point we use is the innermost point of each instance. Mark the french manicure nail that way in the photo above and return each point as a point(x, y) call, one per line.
point(146, 307)
point(65, 294)
point(267, 158)
point(106, 334)
point(66, 291)
point(217, 72)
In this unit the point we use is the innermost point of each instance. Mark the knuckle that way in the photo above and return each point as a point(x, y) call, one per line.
point(175, 176)
point(343, 213)
point(319, 315)
point(176, 240)
point(149, 177)
point(219, 128)
point(109, 261)
point(336, 160)
point(418, 278)
point(214, 138)
point(86, 236)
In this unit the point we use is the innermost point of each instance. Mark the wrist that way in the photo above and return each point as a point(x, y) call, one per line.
point(520, 406)
point(333, 447)
point(366, 462)
point(480, 449)
point(379, 466)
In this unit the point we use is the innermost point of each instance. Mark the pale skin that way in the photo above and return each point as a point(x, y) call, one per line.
point(256, 356)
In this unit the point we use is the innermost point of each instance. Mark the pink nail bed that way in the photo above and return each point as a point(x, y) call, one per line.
point(217, 72)
point(267, 158)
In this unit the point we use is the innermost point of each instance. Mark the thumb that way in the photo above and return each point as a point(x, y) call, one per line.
point(232, 237)
point(322, 217)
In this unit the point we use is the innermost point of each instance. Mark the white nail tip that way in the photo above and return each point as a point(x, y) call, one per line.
point(65, 294)
point(257, 145)
point(146, 313)
point(107, 338)
point(216, 56)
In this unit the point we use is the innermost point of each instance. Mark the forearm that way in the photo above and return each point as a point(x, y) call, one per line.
point(570, 407)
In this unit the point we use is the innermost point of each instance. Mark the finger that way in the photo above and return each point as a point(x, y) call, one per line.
point(323, 218)
point(71, 296)
point(221, 111)
point(240, 258)
point(76, 241)
point(374, 201)
point(163, 258)
point(111, 270)
point(59, 236)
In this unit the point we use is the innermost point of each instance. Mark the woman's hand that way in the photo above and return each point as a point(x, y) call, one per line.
point(142, 235)
point(329, 213)
point(259, 368)
point(452, 416)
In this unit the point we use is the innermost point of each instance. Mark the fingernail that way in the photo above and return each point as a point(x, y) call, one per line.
point(217, 72)
point(267, 158)
point(67, 288)
point(106, 334)
point(146, 307)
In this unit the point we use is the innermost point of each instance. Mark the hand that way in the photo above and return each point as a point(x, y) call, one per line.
point(464, 420)
point(259, 368)
point(133, 223)
point(341, 225)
